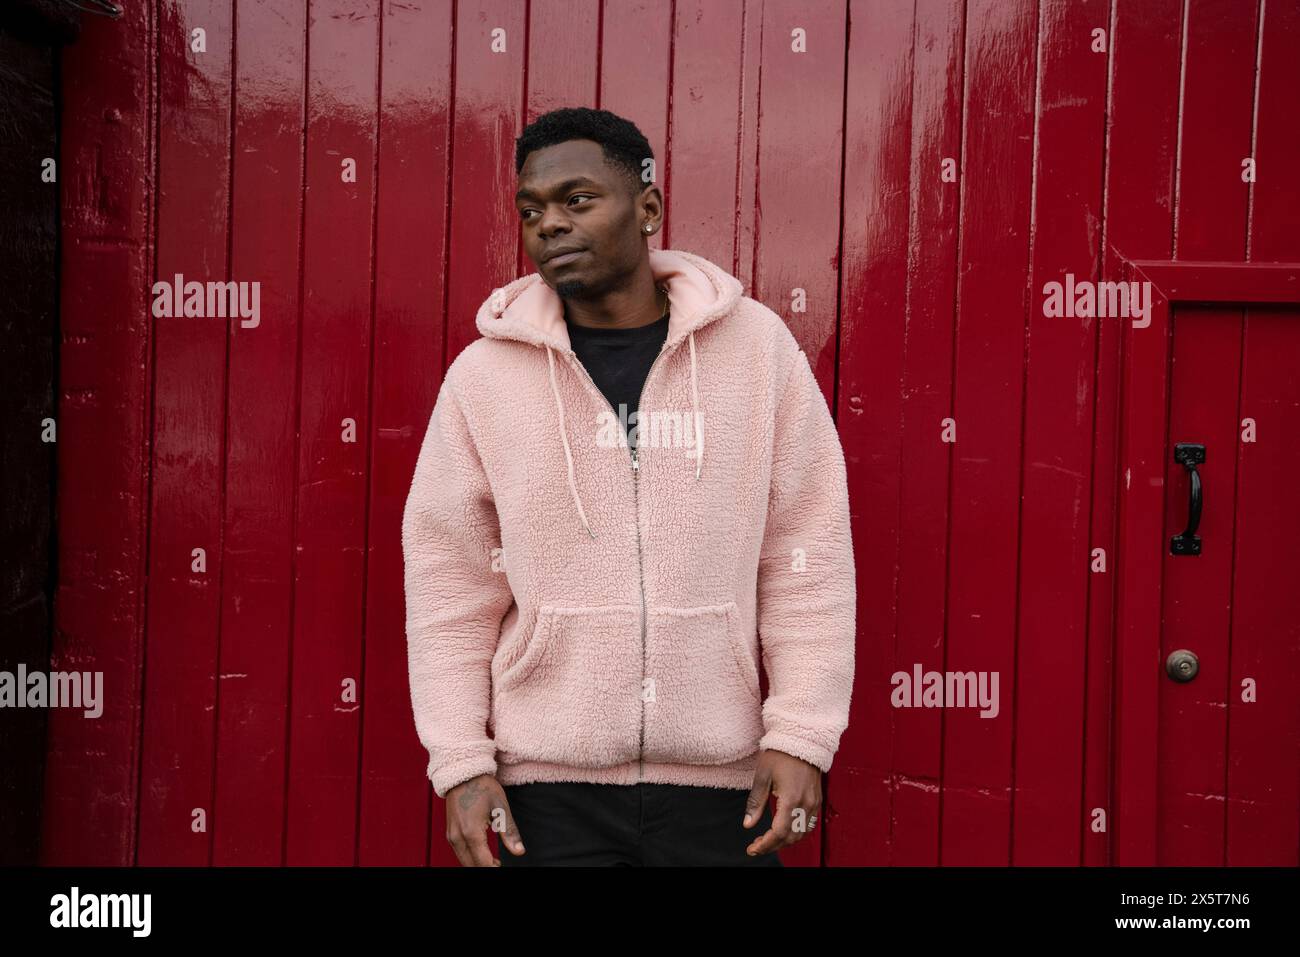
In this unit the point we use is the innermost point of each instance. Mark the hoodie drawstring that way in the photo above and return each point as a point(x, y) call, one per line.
point(568, 454)
point(695, 414)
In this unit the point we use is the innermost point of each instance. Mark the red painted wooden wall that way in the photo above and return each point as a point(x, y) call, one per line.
point(226, 738)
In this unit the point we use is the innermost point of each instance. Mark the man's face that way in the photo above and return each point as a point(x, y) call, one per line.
point(570, 199)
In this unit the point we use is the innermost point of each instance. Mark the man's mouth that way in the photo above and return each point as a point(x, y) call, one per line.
point(566, 258)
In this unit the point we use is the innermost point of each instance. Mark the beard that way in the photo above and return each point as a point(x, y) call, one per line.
point(571, 289)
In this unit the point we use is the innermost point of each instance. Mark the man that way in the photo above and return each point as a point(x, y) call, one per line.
point(630, 491)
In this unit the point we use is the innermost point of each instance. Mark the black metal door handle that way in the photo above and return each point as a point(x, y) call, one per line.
point(1189, 455)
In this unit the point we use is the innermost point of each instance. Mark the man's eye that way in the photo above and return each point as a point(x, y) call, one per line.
point(523, 213)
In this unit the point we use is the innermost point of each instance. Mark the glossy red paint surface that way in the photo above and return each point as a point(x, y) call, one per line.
point(257, 710)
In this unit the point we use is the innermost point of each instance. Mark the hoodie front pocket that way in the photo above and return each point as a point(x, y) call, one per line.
point(573, 695)
point(702, 695)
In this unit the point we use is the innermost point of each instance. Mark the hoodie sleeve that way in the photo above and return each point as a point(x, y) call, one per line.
point(806, 589)
point(454, 599)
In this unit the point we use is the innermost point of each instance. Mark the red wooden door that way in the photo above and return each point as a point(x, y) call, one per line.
point(1209, 717)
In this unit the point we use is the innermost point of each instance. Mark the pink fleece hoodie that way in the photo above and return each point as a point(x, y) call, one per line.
point(578, 613)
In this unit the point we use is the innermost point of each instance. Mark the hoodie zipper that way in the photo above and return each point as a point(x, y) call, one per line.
point(636, 471)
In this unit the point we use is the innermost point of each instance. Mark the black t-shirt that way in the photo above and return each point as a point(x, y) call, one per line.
point(618, 360)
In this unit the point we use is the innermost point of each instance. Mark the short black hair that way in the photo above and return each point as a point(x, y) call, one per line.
point(624, 146)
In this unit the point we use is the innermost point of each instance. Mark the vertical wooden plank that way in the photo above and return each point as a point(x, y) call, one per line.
point(187, 468)
point(483, 248)
point(1210, 219)
point(751, 58)
point(1215, 135)
point(640, 32)
point(1261, 796)
point(414, 141)
point(483, 242)
point(1263, 791)
point(106, 185)
point(873, 300)
point(1095, 819)
point(1138, 562)
point(1204, 387)
point(257, 585)
point(801, 116)
point(1056, 454)
point(334, 421)
point(1141, 145)
point(701, 178)
point(997, 169)
point(925, 459)
point(564, 52)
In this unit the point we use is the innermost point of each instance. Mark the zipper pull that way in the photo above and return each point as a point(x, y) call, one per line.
point(634, 461)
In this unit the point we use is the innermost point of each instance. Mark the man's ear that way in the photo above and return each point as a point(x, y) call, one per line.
point(651, 203)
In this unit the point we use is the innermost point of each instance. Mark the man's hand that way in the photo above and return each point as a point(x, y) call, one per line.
point(472, 807)
point(798, 789)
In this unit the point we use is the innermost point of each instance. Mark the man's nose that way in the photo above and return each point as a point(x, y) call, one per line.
point(553, 222)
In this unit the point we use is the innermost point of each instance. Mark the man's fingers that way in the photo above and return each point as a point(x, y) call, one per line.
point(460, 848)
point(479, 852)
point(757, 799)
point(790, 823)
point(503, 824)
point(778, 832)
point(767, 842)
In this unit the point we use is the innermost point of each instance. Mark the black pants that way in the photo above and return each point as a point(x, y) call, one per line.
point(635, 825)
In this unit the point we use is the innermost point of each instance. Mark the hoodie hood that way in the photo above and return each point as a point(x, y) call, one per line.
point(528, 310)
